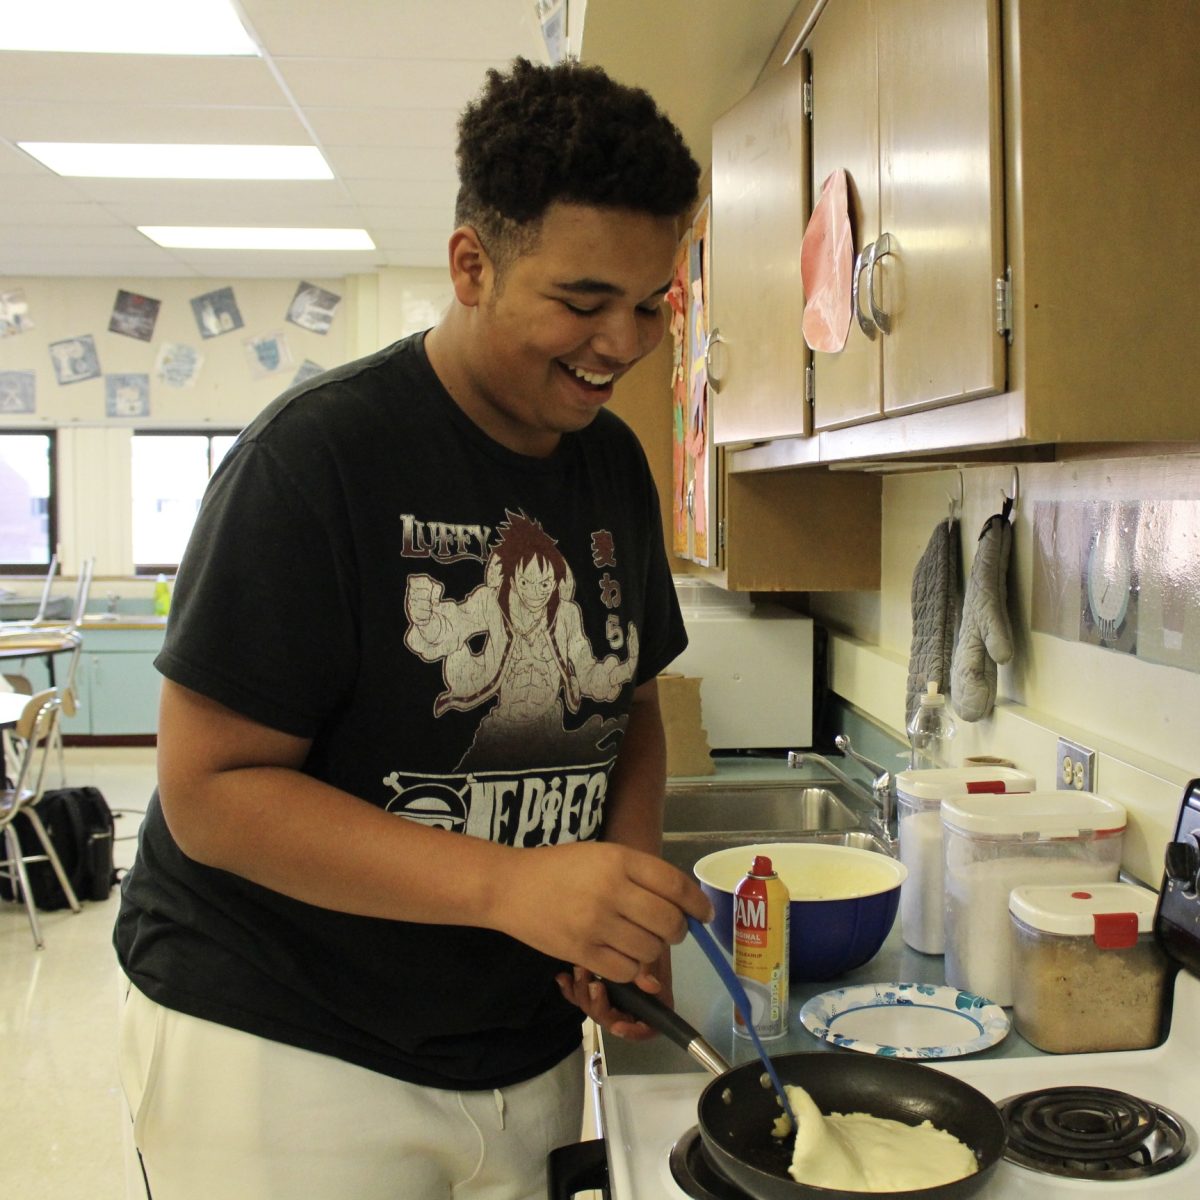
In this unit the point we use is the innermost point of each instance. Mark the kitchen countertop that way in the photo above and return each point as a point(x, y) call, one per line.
point(762, 768)
point(703, 1002)
point(95, 621)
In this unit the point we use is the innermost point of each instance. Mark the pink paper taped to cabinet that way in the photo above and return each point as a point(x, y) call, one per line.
point(826, 259)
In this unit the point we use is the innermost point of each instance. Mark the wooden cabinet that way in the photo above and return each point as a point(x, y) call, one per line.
point(1093, 149)
point(906, 99)
point(760, 199)
point(1097, 132)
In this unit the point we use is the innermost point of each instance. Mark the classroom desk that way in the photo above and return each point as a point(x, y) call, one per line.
point(41, 641)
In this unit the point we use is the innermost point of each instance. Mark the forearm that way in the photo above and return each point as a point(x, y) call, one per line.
point(294, 834)
point(235, 797)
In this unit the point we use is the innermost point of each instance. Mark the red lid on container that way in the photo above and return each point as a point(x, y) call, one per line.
point(762, 866)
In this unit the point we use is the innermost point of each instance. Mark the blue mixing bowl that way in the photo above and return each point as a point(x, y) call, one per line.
point(843, 901)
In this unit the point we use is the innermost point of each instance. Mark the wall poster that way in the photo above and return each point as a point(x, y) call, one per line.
point(75, 359)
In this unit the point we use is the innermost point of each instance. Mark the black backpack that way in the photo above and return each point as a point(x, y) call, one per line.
point(79, 824)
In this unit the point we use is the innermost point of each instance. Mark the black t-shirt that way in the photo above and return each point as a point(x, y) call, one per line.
point(459, 629)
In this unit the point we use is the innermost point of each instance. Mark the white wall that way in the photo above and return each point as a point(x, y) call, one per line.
point(1143, 719)
point(94, 449)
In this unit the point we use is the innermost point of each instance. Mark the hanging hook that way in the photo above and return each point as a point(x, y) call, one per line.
point(955, 504)
point(1010, 502)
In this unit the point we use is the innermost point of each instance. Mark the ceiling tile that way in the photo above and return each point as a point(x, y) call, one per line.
point(101, 122)
point(492, 29)
point(366, 83)
point(369, 162)
point(113, 78)
point(384, 127)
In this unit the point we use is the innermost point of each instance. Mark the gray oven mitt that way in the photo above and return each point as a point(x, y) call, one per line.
point(936, 602)
point(985, 638)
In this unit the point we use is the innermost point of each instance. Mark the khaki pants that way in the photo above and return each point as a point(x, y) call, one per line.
point(218, 1112)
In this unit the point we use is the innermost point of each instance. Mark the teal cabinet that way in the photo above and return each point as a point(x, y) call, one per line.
point(116, 685)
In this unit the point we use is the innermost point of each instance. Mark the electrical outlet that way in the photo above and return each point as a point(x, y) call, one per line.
point(1076, 767)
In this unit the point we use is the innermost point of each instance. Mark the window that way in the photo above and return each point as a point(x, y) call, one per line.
point(28, 512)
point(170, 473)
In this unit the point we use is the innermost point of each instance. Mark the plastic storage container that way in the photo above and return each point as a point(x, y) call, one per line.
point(919, 796)
point(1088, 974)
point(990, 848)
point(931, 731)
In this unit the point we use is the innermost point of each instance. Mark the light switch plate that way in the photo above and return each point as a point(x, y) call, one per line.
point(1076, 767)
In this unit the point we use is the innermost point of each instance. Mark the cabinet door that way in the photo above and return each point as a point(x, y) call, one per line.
point(941, 200)
point(759, 205)
point(123, 693)
point(845, 135)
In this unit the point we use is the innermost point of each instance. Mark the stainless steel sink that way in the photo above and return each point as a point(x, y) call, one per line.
point(769, 808)
point(702, 817)
point(683, 850)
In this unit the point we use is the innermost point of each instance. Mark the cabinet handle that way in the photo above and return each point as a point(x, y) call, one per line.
point(881, 247)
point(864, 258)
point(713, 338)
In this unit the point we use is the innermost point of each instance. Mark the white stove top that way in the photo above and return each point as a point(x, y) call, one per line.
point(646, 1114)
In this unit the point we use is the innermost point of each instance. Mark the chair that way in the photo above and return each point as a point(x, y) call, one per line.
point(46, 639)
point(19, 685)
point(34, 734)
point(44, 603)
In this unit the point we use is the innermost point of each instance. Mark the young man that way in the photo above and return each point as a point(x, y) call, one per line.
point(411, 764)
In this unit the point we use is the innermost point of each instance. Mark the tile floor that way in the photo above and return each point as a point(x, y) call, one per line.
point(65, 1120)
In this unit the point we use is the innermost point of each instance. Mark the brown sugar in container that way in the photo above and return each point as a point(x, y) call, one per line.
point(1088, 974)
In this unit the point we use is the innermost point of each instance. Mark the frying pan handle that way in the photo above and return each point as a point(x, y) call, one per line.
point(579, 1167)
point(630, 998)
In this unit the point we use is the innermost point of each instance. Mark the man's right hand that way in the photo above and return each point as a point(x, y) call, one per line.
point(608, 908)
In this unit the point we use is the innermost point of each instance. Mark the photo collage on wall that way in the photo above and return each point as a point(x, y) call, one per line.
point(176, 365)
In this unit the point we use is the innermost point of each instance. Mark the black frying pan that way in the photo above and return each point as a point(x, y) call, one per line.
point(736, 1113)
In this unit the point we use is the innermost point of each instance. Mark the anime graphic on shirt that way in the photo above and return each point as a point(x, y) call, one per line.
point(515, 648)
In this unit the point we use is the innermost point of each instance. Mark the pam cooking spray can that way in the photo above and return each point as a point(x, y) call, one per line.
point(760, 948)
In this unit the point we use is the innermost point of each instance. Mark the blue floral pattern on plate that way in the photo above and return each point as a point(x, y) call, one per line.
point(972, 1023)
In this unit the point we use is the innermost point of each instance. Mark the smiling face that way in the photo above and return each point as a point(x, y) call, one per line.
point(534, 353)
point(535, 584)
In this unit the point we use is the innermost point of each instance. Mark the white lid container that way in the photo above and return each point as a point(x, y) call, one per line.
point(928, 788)
point(1088, 973)
point(919, 795)
point(1111, 914)
point(1039, 815)
point(991, 848)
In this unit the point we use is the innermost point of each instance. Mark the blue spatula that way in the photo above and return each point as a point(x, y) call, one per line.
point(733, 985)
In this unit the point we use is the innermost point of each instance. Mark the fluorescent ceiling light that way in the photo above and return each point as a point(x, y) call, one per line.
point(125, 27)
point(199, 237)
point(145, 160)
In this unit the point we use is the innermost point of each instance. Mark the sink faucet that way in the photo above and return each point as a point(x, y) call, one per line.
point(880, 797)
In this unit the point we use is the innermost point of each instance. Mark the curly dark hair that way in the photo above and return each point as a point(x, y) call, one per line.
point(565, 133)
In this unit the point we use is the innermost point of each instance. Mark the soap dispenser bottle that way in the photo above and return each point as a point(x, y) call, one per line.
point(162, 596)
point(930, 731)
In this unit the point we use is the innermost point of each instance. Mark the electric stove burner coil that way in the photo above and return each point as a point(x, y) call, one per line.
point(1092, 1133)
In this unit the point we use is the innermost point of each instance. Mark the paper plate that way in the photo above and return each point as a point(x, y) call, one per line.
point(906, 1020)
